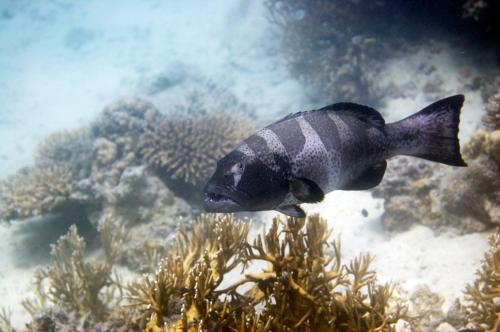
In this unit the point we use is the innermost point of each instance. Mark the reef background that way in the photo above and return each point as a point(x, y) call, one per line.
point(65, 66)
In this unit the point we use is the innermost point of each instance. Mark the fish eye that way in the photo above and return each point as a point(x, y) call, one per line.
point(237, 168)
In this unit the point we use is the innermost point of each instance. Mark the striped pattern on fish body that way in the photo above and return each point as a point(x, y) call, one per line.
point(326, 146)
point(341, 146)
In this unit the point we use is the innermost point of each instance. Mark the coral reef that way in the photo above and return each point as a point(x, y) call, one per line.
point(303, 288)
point(115, 134)
point(188, 147)
point(35, 191)
point(322, 52)
point(483, 296)
point(76, 286)
point(72, 149)
point(146, 205)
point(467, 199)
point(418, 191)
point(340, 47)
point(492, 117)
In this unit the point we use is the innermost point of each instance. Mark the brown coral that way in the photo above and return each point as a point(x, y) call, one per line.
point(483, 296)
point(115, 135)
point(188, 147)
point(72, 149)
point(302, 289)
point(35, 191)
point(75, 285)
point(492, 117)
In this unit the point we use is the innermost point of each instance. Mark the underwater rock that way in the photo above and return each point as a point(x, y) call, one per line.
point(422, 192)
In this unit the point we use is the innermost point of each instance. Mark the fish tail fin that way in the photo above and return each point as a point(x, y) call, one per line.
point(430, 134)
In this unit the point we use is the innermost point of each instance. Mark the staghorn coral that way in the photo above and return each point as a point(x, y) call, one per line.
point(483, 296)
point(115, 135)
point(72, 149)
point(187, 147)
point(302, 289)
point(76, 286)
point(492, 117)
point(35, 191)
point(5, 324)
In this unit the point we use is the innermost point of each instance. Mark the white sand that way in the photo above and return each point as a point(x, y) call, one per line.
point(49, 81)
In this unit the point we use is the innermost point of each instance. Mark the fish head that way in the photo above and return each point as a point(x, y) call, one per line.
point(243, 183)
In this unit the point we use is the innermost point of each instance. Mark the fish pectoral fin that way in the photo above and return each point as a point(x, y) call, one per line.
point(292, 211)
point(306, 191)
point(369, 178)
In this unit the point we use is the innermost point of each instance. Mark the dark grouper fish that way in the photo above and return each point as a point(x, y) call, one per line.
point(342, 146)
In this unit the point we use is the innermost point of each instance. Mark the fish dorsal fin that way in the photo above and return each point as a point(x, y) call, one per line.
point(361, 112)
point(369, 178)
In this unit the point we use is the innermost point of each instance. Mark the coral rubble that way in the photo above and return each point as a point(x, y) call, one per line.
point(483, 296)
point(303, 288)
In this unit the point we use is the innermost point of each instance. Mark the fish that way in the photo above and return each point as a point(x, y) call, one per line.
point(343, 146)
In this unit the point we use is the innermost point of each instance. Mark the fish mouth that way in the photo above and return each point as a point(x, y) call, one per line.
point(220, 202)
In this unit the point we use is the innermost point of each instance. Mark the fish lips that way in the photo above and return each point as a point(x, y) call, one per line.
point(220, 200)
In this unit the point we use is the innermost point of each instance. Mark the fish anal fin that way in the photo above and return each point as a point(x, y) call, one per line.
point(369, 178)
point(292, 211)
point(306, 190)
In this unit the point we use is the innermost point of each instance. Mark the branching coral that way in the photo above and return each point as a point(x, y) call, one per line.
point(5, 325)
point(72, 149)
point(75, 285)
point(302, 289)
point(35, 191)
point(188, 147)
point(483, 296)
